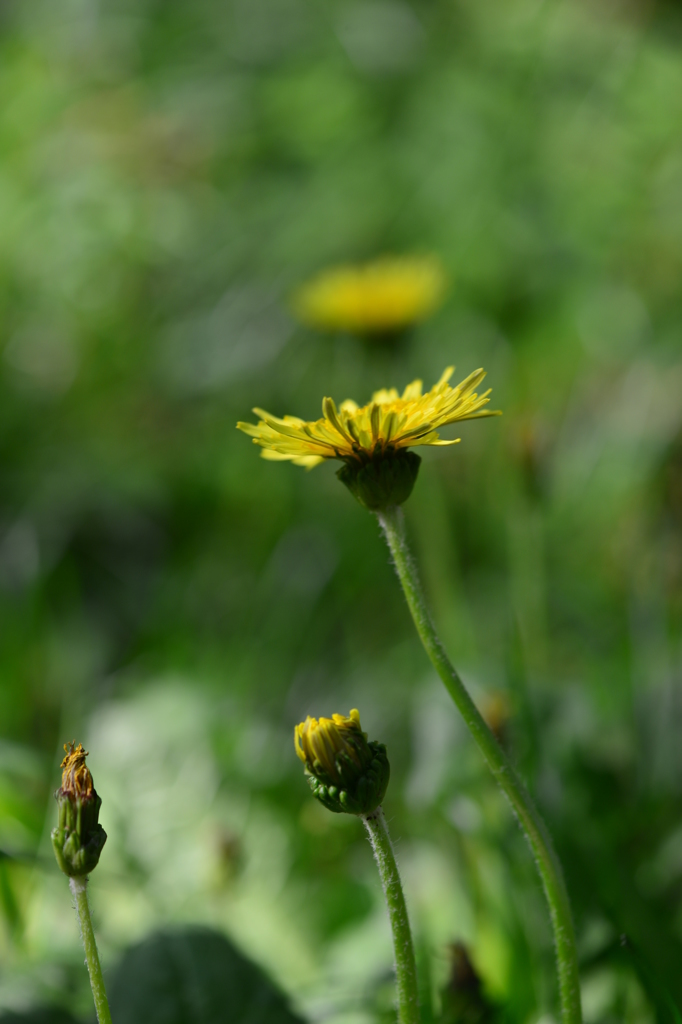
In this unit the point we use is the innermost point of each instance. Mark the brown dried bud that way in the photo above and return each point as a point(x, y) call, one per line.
point(78, 838)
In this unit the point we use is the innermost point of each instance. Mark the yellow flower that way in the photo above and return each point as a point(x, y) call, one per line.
point(387, 424)
point(382, 297)
point(345, 772)
point(321, 742)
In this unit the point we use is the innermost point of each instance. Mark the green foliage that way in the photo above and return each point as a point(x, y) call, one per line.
point(169, 172)
point(193, 976)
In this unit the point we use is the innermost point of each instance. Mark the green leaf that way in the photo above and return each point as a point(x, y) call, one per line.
point(193, 976)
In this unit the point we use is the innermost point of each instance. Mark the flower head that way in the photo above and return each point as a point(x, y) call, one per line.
point(76, 777)
point(345, 771)
point(366, 437)
point(373, 299)
point(388, 423)
point(79, 838)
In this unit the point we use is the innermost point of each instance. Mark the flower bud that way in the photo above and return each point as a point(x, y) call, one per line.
point(386, 479)
point(345, 772)
point(78, 838)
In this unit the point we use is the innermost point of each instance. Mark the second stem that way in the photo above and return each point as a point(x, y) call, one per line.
point(393, 525)
point(80, 895)
point(405, 966)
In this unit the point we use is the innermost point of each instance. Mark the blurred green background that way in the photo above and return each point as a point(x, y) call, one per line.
point(169, 172)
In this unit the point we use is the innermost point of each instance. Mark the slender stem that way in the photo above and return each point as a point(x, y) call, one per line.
point(405, 966)
point(392, 522)
point(78, 887)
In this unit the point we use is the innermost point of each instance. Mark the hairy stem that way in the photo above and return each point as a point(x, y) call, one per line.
point(393, 525)
point(78, 887)
point(405, 966)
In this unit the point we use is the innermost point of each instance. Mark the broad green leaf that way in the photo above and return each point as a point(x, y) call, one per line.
point(193, 976)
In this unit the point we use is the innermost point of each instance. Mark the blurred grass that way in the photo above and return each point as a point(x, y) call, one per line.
point(168, 173)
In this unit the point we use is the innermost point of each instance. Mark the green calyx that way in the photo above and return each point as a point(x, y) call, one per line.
point(358, 790)
point(385, 479)
point(78, 839)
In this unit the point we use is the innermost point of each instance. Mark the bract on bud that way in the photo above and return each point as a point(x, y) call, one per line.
point(383, 480)
point(344, 770)
point(78, 838)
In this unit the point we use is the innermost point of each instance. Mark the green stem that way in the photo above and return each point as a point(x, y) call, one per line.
point(405, 966)
point(392, 521)
point(80, 894)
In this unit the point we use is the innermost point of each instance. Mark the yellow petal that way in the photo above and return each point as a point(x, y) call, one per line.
point(413, 390)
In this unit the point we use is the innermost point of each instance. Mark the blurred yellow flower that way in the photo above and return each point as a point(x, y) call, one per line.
point(387, 424)
point(376, 298)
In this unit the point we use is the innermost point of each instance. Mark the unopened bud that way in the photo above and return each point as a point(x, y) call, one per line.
point(78, 838)
point(344, 770)
point(385, 479)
